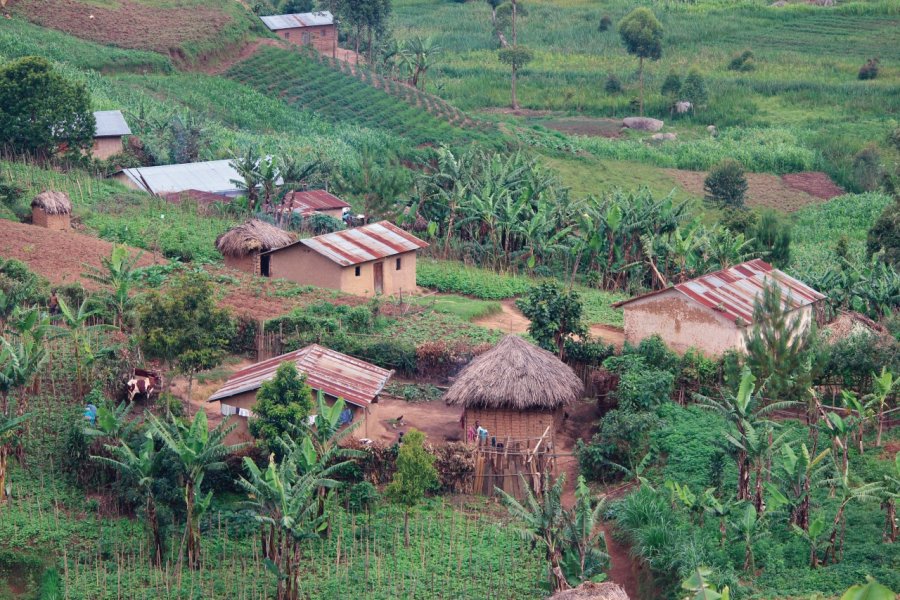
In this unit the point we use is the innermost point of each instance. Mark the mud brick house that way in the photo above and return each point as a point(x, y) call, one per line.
point(334, 374)
point(374, 259)
point(242, 245)
point(111, 127)
point(314, 29)
point(712, 313)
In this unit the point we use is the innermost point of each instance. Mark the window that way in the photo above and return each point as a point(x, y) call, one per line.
point(398, 264)
point(287, 34)
point(323, 33)
point(357, 271)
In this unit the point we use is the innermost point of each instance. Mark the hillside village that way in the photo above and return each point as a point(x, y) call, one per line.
point(449, 299)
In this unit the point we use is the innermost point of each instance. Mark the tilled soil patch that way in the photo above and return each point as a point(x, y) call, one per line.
point(763, 190)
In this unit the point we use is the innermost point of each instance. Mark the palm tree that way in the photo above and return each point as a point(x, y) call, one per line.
point(139, 465)
point(543, 519)
point(247, 167)
point(198, 450)
point(78, 331)
point(744, 413)
point(119, 274)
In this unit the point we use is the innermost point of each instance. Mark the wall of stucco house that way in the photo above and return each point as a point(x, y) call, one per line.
point(301, 265)
point(683, 323)
point(320, 37)
point(248, 263)
point(104, 147)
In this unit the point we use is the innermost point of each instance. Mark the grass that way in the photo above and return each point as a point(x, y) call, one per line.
point(467, 309)
point(598, 310)
point(454, 277)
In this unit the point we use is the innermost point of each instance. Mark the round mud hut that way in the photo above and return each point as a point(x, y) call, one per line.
point(242, 245)
point(515, 391)
point(52, 210)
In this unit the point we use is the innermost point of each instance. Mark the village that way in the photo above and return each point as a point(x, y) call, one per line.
point(279, 321)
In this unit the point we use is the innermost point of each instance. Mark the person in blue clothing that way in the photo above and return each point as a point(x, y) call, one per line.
point(90, 413)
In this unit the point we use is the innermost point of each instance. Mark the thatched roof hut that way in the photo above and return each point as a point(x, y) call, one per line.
point(53, 203)
point(242, 245)
point(515, 390)
point(51, 210)
point(518, 375)
point(592, 591)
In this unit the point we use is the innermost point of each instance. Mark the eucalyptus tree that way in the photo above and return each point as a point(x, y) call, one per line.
point(198, 450)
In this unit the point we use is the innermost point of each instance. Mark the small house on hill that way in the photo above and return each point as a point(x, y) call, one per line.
point(111, 127)
point(52, 210)
point(516, 391)
point(712, 313)
point(242, 245)
point(334, 374)
point(214, 176)
point(316, 29)
point(315, 201)
point(375, 259)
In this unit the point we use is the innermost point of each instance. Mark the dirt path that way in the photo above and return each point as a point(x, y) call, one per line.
point(511, 320)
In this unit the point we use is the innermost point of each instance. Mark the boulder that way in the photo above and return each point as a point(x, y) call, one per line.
point(683, 106)
point(592, 591)
point(663, 137)
point(642, 123)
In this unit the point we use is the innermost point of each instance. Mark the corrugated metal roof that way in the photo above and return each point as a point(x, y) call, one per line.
point(362, 244)
point(111, 123)
point(202, 198)
point(313, 19)
point(213, 176)
point(328, 371)
point(313, 200)
point(733, 291)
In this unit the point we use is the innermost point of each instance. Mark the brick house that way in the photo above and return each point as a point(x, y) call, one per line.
point(314, 29)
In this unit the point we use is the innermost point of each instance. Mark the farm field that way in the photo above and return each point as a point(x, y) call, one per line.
point(498, 429)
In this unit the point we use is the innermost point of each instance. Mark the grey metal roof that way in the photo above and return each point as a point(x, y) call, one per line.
point(313, 19)
point(111, 123)
point(213, 176)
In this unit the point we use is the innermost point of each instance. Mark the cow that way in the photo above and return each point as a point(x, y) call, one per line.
point(140, 384)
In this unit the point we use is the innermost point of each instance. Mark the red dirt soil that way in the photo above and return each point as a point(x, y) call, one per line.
point(511, 320)
point(814, 183)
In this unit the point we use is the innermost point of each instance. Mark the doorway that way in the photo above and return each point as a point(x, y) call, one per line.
point(264, 265)
point(378, 269)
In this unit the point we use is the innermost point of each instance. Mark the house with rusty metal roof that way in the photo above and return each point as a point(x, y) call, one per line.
point(110, 128)
point(712, 313)
point(334, 374)
point(309, 202)
point(379, 258)
point(316, 29)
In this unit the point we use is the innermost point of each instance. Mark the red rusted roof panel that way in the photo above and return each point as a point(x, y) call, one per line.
point(312, 200)
point(328, 371)
point(363, 244)
point(733, 291)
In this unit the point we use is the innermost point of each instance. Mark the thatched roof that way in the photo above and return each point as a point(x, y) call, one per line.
point(252, 236)
point(517, 375)
point(53, 203)
point(592, 591)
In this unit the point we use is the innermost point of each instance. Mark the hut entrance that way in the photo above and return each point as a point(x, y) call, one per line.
point(264, 265)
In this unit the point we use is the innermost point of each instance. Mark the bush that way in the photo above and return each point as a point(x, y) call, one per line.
point(623, 439)
point(739, 220)
point(361, 497)
point(671, 86)
point(867, 169)
point(772, 239)
point(726, 184)
point(694, 89)
point(644, 389)
point(869, 70)
point(612, 85)
point(605, 23)
point(742, 62)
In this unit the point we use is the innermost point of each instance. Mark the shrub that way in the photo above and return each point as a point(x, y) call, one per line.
point(655, 352)
point(605, 23)
point(772, 239)
point(884, 236)
point(361, 497)
point(612, 85)
point(623, 439)
point(869, 70)
point(726, 184)
point(672, 85)
point(867, 169)
point(694, 89)
point(644, 389)
point(739, 220)
point(742, 62)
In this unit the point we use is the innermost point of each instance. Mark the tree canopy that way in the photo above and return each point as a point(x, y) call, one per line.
point(282, 403)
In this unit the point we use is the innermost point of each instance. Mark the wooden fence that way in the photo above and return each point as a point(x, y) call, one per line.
point(516, 463)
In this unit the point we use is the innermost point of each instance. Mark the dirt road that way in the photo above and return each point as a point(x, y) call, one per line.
point(511, 320)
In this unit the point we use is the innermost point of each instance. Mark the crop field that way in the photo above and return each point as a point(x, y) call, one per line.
point(186, 30)
point(310, 84)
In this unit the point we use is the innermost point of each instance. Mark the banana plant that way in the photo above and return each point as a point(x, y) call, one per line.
point(75, 327)
point(796, 474)
point(720, 510)
point(700, 588)
point(118, 273)
point(885, 387)
point(813, 536)
point(750, 527)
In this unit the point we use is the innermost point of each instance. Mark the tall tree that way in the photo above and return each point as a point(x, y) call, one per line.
point(197, 450)
point(514, 55)
point(642, 35)
point(555, 316)
point(41, 111)
point(282, 404)
point(415, 475)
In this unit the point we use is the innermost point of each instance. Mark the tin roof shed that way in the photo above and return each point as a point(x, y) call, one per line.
point(326, 370)
point(361, 244)
point(312, 200)
point(734, 291)
point(215, 176)
point(313, 19)
point(111, 123)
